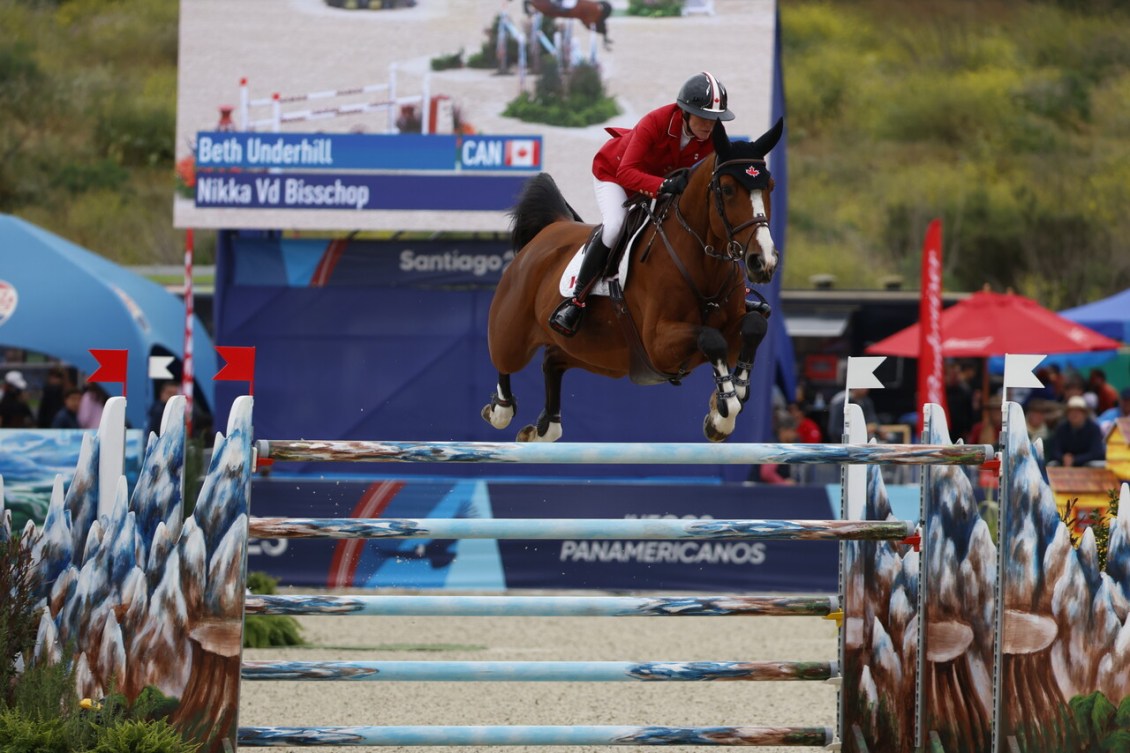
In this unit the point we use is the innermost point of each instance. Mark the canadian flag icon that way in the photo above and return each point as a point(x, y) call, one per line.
point(522, 153)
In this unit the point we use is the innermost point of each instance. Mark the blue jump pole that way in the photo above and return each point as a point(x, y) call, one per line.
point(616, 453)
point(534, 735)
point(579, 528)
point(540, 671)
point(542, 606)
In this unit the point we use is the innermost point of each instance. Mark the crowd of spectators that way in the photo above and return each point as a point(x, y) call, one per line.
point(1072, 415)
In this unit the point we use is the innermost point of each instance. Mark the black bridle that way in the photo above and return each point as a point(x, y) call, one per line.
point(734, 252)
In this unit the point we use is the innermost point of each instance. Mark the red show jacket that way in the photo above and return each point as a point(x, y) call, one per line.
point(637, 159)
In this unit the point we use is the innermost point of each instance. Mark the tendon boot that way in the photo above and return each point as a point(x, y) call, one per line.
point(566, 318)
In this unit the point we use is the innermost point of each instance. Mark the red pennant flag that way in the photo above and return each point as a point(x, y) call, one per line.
point(239, 366)
point(931, 370)
point(111, 367)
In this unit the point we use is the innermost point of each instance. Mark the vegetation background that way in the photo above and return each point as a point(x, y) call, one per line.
point(1008, 120)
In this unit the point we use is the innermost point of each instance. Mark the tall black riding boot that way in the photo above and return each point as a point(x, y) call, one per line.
point(566, 318)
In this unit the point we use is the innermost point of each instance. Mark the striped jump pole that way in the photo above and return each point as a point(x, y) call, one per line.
point(534, 735)
point(541, 671)
point(301, 450)
point(580, 528)
point(543, 606)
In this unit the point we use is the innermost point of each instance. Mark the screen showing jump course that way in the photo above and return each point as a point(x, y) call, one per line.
point(392, 114)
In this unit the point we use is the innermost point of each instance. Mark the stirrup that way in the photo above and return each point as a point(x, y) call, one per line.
point(566, 318)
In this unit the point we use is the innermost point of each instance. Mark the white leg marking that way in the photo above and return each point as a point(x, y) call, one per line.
point(725, 424)
point(500, 416)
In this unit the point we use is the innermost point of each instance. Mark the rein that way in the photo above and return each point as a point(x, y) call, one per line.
point(733, 253)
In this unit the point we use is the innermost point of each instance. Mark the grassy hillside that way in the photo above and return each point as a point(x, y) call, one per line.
point(1007, 120)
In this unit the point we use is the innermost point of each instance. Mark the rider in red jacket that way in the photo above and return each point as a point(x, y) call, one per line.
point(634, 161)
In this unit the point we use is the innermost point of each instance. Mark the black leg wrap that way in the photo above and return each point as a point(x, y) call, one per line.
point(754, 329)
point(713, 345)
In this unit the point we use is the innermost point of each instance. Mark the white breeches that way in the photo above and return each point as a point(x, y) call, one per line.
point(610, 198)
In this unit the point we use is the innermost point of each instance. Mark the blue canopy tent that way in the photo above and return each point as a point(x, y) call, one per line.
point(61, 300)
point(1110, 316)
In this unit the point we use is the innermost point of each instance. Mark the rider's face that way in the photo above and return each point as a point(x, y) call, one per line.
point(700, 128)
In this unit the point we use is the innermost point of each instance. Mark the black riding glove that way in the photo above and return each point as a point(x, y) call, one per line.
point(674, 185)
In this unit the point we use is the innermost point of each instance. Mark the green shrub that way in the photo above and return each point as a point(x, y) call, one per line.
point(573, 101)
point(19, 619)
point(142, 737)
point(655, 8)
point(266, 630)
point(447, 62)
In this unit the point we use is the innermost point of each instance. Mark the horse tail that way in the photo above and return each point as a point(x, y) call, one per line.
point(540, 203)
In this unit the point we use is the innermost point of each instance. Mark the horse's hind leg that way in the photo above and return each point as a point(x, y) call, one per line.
point(754, 327)
point(724, 403)
point(502, 406)
point(548, 426)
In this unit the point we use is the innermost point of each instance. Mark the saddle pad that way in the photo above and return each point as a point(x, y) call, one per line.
point(569, 276)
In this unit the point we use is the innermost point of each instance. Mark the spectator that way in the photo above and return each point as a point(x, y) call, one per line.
point(1055, 380)
point(1108, 418)
point(1105, 392)
point(836, 413)
point(1048, 391)
point(959, 400)
point(807, 430)
point(90, 406)
point(780, 473)
point(157, 410)
point(51, 398)
point(1037, 419)
point(14, 410)
point(67, 416)
point(988, 433)
point(1077, 441)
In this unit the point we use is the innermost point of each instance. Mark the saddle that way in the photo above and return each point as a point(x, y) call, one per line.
point(636, 221)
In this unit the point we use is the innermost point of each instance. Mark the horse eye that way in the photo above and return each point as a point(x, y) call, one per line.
point(727, 191)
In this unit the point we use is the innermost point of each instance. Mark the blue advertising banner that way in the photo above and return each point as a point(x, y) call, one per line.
point(735, 566)
point(361, 151)
point(357, 192)
point(362, 263)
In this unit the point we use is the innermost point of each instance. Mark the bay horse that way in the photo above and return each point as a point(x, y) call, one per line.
point(592, 13)
point(684, 300)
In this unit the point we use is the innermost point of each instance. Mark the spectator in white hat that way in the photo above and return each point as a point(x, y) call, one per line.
point(14, 410)
point(1077, 440)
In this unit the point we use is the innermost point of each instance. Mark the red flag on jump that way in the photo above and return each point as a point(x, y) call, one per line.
point(239, 366)
point(931, 369)
point(111, 367)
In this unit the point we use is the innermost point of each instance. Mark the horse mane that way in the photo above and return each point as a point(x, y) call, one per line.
point(540, 203)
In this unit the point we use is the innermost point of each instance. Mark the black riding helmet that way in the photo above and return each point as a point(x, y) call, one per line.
point(704, 96)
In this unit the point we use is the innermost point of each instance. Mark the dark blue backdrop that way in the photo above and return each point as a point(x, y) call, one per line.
point(387, 340)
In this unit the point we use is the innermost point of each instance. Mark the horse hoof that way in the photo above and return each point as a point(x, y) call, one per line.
point(529, 433)
point(712, 432)
point(497, 416)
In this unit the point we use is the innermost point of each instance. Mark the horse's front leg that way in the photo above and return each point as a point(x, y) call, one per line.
point(502, 406)
point(724, 403)
point(754, 327)
point(548, 426)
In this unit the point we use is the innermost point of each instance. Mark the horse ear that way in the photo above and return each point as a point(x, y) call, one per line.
point(721, 141)
point(766, 141)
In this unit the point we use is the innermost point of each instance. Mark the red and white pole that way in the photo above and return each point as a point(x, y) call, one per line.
point(186, 370)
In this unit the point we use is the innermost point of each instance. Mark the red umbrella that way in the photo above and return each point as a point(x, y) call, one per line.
point(993, 324)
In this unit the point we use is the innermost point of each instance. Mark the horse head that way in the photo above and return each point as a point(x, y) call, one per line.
point(741, 186)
